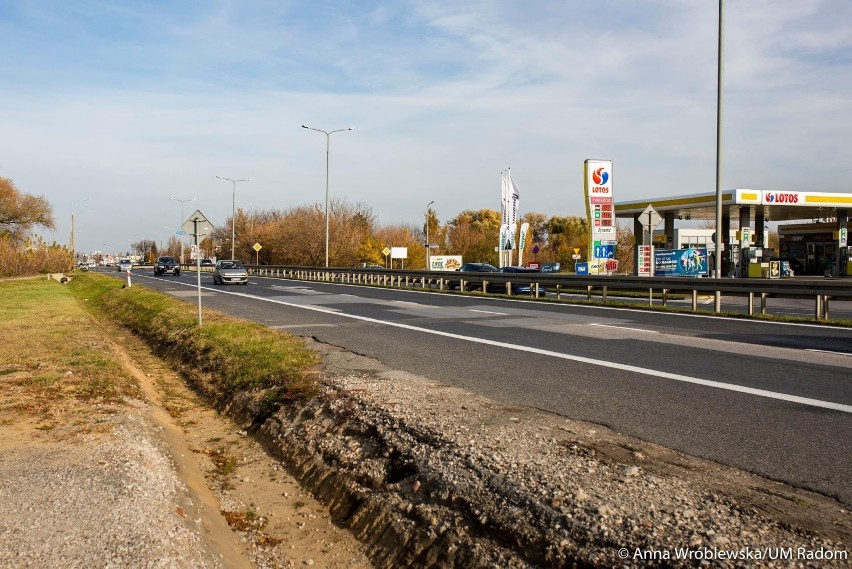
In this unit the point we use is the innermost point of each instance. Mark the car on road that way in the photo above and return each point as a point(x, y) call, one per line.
point(206, 263)
point(471, 268)
point(519, 287)
point(166, 265)
point(125, 265)
point(230, 271)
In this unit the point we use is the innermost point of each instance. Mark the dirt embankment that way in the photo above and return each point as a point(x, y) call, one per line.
point(428, 475)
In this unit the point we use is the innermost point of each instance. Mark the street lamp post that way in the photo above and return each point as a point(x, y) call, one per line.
point(327, 134)
point(428, 246)
point(73, 243)
point(181, 223)
point(233, 208)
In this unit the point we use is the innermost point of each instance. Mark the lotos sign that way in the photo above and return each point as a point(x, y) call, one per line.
point(789, 198)
point(599, 209)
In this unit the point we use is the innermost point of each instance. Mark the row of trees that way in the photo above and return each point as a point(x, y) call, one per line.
point(21, 254)
point(296, 236)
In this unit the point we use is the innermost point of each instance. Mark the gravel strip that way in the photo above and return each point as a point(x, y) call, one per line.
point(107, 499)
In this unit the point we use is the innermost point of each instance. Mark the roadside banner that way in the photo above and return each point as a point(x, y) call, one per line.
point(445, 262)
point(522, 241)
point(681, 262)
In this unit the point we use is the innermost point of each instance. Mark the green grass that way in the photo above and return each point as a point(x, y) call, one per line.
point(233, 354)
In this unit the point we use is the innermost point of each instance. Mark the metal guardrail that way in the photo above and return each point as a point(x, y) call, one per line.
point(822, 290)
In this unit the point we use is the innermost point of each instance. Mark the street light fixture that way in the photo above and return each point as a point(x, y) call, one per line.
point(73, 244)
point(327, 134)
point(182, 219)
point(428, 246)
point(233, 208)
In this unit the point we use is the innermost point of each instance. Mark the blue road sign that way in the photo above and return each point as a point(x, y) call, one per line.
point(604, 251)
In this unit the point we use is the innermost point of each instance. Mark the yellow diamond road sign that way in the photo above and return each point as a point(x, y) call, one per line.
point(257, 247)
point(385, 251)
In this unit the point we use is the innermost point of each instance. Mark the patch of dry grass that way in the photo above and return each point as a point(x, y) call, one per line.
point(53, 356)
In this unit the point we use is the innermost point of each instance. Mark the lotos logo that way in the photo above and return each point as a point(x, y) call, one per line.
point(775, 197)
point(600, 176)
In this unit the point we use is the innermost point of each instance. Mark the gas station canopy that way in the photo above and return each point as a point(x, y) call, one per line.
point(777, 206)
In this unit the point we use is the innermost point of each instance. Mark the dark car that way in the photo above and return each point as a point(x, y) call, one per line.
point(471, 268)
point(167, 265)
point(519, 287)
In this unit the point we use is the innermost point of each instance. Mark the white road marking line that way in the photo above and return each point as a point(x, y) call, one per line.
point(488, 312)
point(613, 365)
point(828, 352)
point(289, 326)
point(623, 328)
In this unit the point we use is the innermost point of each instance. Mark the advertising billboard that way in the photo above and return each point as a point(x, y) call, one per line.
point(445, 262)
point(681, 262)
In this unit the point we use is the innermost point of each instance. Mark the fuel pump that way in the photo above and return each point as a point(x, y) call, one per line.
point(752, 262)
point(732, 260)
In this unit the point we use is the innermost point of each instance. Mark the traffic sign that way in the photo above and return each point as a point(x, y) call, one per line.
point(576, 256)
point(649, 218)
point(604, 251)
point(257, 247)
point(386, 251)
point(197, 225)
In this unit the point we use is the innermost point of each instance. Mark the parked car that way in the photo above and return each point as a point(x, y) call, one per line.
point(230, 271)
point(471, 268)
point(520, 287)
point(125, 265)
point(206, 263)
point(167, 265)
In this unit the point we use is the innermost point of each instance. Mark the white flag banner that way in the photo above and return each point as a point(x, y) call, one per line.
point(522, 241)
point(505, 204)
point(504, 237)
point(514, 198)
point(513, 228)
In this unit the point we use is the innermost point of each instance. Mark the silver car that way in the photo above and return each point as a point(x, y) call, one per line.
point(230, 271)
point(125, 265)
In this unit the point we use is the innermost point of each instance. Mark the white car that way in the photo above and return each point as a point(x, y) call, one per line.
point(125, 265)
point(230, 271)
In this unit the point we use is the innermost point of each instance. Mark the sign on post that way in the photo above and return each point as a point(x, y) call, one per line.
point(650, 219)
point(198, 227)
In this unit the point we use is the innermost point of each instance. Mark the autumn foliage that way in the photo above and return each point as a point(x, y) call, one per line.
point(21, 254)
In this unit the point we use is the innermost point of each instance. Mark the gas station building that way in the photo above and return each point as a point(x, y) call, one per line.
point(819, 241)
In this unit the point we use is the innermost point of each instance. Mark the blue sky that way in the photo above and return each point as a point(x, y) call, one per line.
point(125, 104)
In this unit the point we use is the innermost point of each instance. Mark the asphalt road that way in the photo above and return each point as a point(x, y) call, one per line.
point(771, 398)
